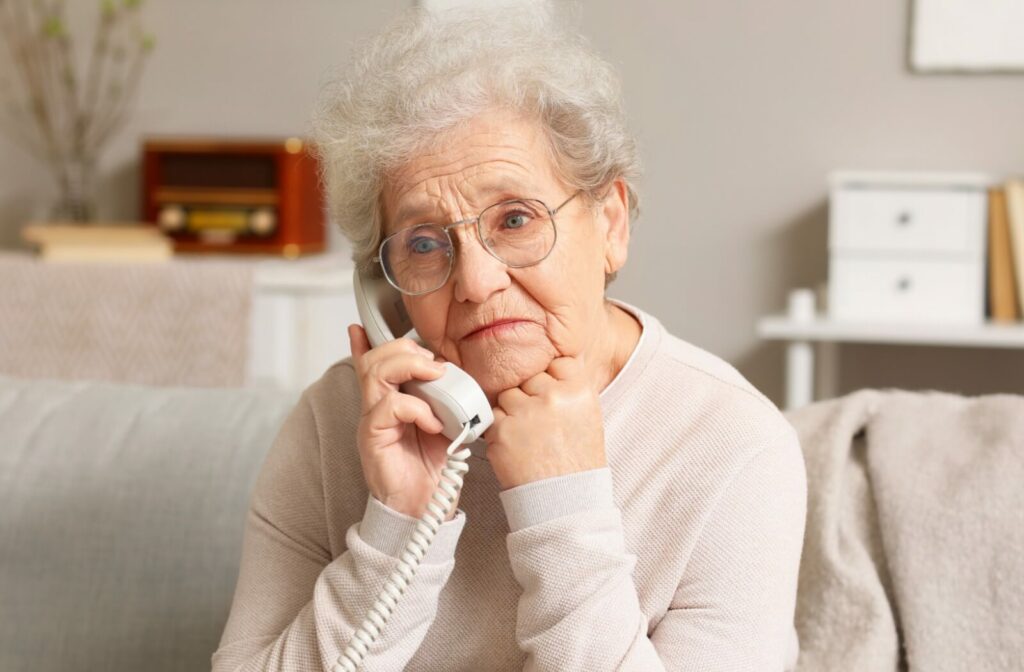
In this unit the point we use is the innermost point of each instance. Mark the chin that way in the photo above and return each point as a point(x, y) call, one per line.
point(496, 372)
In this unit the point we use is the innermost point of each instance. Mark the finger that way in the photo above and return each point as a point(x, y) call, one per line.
point(358, 343)
point(375, 356)
point(537, 384)
point(395, 409)
point(565, 368)
point(511, 399)
point(384, 375)
point(400, 368)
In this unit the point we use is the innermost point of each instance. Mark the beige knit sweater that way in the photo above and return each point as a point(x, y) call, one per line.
point(681, 554)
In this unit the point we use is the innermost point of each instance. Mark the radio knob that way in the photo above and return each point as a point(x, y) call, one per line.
point(171, 218)
point(262, 222)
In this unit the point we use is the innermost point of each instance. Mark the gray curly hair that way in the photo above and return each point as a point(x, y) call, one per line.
point(429, 71)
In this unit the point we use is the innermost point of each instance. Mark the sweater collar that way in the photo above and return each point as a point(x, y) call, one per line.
point(650, 337)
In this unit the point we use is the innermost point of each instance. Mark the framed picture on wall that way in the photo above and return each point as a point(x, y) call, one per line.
point(967, 36)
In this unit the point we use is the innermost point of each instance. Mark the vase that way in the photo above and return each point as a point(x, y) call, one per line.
point(76, 191)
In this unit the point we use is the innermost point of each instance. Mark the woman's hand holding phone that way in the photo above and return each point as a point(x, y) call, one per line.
point(401, 447)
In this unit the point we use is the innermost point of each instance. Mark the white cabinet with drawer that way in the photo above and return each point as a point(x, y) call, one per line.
point(907, 247)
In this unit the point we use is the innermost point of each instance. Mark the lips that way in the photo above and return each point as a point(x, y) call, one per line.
point(496, 323)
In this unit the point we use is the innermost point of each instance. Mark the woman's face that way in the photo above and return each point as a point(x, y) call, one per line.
point(554, 308)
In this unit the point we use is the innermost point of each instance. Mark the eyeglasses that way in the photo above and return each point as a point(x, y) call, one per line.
point(519, 233)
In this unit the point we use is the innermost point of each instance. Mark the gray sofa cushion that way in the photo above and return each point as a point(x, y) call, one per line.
point(122, 509)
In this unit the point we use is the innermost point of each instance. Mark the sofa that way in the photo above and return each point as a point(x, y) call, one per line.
point(123, 510)
point(122, 518)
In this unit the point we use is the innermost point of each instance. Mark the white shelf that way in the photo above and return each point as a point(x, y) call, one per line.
point(820, 328)
point(323, 273)
point(811, 340)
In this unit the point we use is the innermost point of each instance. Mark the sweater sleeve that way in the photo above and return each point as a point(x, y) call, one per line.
point(734, 604)
point(295, 608)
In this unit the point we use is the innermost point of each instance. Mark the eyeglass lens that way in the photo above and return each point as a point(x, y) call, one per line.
point(419, 259)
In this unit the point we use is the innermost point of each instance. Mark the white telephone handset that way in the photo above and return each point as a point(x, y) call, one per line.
point(461, 406)
point(455, 398)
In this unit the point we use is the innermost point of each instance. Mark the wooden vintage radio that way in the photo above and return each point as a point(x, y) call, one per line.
point(222, 195)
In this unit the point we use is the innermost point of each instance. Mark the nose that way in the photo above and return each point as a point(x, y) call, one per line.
point(476, 275)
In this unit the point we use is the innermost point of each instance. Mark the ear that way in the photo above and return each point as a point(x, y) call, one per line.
point(614, 210)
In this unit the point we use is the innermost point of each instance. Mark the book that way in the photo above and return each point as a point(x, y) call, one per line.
point(1003, 303)
point(1014, 190)
point(79, 242)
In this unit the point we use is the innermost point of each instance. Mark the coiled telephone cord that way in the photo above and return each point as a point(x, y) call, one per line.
point(420, 541)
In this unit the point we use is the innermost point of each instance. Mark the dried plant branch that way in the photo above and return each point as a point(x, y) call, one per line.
point(124, 99)
point(97, 60)
point(59, 113)
point(23, 39)
point(13, 82)
point(14, 120)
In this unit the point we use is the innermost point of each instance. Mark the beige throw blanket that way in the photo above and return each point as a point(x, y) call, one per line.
point(914, 550)
point(184, 322)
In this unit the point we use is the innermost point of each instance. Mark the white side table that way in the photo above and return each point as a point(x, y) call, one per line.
point(300, 313)
point(812, 339)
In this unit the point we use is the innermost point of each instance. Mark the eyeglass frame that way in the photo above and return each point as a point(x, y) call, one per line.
point(451, 259)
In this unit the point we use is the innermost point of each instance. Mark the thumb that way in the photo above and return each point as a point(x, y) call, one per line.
point(358, 343)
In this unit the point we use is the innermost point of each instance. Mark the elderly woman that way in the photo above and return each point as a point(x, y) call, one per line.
point(637, 504)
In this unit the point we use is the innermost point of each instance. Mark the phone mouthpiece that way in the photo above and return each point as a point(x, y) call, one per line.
point(456, 400)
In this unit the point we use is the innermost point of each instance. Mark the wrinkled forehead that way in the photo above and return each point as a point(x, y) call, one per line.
point(486, 159)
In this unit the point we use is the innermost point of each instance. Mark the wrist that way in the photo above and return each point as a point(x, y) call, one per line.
point(524, 472)
point(540, 501)
point(401, 505)
point(389, 532)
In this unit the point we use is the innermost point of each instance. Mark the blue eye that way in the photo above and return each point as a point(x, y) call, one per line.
point(424, 245)
point(516, 220)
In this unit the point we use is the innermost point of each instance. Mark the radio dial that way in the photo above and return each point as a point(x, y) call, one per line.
point(171, 218)
point(262, 222)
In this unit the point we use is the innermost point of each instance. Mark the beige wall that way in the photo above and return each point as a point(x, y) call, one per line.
point(741, 109)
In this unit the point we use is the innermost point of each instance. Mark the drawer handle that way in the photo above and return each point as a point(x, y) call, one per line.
point(904, 284)
point(904, 218)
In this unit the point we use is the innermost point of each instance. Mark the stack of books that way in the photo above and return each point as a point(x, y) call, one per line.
point(79, 242)
point(1006, 251)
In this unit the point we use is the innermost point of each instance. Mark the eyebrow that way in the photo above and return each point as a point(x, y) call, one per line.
point(503, 190)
